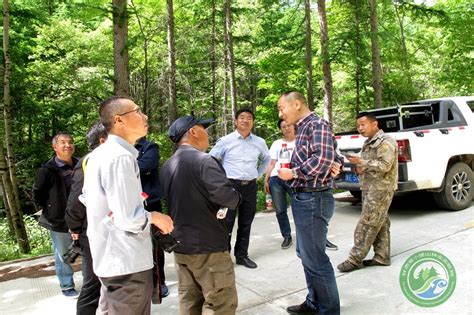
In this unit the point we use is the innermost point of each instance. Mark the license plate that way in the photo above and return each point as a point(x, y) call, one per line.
point(351, 177)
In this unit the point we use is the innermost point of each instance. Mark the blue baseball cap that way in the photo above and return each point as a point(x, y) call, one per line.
point(181, 125)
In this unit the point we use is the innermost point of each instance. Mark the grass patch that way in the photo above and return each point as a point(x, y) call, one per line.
point(39, 238)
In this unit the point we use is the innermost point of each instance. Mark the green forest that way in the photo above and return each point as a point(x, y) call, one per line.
point(61, 58)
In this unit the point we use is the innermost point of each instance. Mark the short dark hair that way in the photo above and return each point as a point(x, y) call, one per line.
point(56, 136)
point(109, 108)
point(279, 123)
point(244, 110)
point(294, 95)
point(95, 133)
point(368, 115)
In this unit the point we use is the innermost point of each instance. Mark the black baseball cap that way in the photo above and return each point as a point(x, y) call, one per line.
point(181, 125)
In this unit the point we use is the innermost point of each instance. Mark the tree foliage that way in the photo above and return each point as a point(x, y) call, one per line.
point(63, 66)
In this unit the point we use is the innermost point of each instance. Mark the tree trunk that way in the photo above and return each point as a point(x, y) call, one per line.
point(7, 104)
point(120, 21)
point(173, 111)
point(376, 67)
point(230, 52)
point(404, 56)
point(213, 60)
point(8, 172)
point(327, 76)
point(16, 216)
point(8, 214)
point(225, 96)
point(212, 53)
point(308, 55)
point(146, 80)
point(358, 54)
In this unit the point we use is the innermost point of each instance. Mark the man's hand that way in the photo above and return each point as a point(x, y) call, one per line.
point(162, 222)
point(354, 159)
point(74, 236)
point(285, 173)
point(335, 169)
point(266, 186)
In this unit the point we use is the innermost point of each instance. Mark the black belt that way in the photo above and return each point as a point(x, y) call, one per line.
point(309, 189)
point(243, 182)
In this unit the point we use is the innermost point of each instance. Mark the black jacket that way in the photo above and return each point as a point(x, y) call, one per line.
point(195, 187)
point(76, 218)
point(148, 161)
point(50, 193)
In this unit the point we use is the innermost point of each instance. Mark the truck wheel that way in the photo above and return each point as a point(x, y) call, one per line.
point(357, 194)
point(456, 193)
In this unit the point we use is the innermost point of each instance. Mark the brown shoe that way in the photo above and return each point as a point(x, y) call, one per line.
point(347, 266)
point(373, 262)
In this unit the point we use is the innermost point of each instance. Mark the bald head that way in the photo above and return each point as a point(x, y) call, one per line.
point(292, 106)
point(294, 96)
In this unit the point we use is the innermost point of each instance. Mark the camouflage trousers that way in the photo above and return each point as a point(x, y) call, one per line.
point(373, 228)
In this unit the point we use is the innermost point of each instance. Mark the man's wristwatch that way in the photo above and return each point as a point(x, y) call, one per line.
point(293, 172)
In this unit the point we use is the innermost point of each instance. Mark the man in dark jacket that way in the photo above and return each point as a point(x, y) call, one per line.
point(148, 161)
point(76, 220)
point(50, 190)
point(195, 187)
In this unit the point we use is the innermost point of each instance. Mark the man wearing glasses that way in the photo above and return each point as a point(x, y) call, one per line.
point(119, 225)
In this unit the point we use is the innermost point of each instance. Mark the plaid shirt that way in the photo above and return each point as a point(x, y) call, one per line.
point(314, 153)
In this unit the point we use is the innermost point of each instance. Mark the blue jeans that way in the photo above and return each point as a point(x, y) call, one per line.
point(61, 242)
point(312, 212)
point(279, 188)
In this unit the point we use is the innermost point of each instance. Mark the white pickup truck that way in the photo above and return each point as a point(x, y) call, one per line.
point(435, 149)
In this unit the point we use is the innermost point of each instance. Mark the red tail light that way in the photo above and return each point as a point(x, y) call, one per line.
point(404, 153)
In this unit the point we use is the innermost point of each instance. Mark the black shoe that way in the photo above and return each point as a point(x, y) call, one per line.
point(373, 262)
point(245, 261)
point(164, 290)
point(331, 246)
point(301, 309)
point(287, 241)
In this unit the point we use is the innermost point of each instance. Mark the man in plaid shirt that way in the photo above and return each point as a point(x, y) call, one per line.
point(313, 164)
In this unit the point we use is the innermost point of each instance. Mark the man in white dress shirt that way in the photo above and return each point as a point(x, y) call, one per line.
point(119, 225)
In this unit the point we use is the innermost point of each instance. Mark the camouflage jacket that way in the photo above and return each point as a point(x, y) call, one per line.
point(379, 163)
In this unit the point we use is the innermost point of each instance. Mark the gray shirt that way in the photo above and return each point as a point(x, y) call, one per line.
point(119, 228)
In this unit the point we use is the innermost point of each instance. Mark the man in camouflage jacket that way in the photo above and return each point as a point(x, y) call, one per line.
point(378, 171)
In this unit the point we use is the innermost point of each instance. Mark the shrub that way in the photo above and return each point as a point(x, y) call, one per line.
point(40, 241)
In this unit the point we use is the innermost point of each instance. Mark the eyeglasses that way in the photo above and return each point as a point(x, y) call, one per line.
point(137, 110)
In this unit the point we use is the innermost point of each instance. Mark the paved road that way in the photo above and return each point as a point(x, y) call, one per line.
point(279, 281)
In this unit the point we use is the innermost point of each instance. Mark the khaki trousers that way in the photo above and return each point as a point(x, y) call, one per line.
point(206, 284)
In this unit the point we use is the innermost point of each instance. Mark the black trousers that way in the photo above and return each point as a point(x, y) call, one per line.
point(245, 214)
point(158, 253)
point(90, 292)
